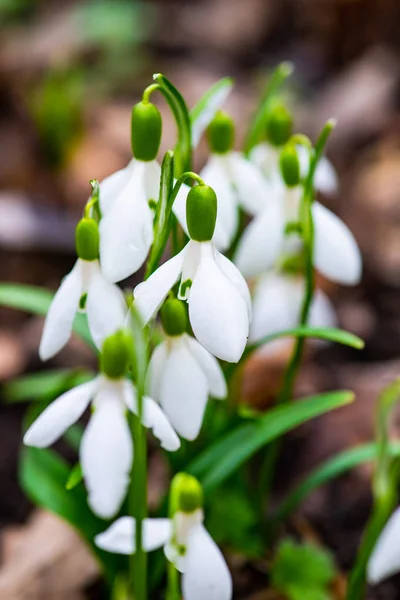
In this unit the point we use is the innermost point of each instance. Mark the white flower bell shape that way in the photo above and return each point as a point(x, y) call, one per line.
point(277, 302)
point(205, 573)
point(183, 374)
point(336, 254)
point(103, 301)
point(385, 559)
point(106, 450)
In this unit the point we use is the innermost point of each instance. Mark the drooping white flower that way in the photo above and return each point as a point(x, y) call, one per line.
point(126, 229)
point(183, 374)
point(236, 181)
point(106, 450)
point(277, 301)
point(385, 559)
point(336, 254)
point(85, 286)
point(186, 543)
point(217, 295)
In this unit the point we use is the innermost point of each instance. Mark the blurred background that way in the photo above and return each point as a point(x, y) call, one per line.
point(70, 72)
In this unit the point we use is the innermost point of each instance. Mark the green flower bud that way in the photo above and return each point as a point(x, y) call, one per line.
point(174, 317)
point(186, 493)
point(114, 358)
point(201, 213)
point(146, 126)
point(290, 165)
point(87, 239)
point(221, 133)
point(279, 125)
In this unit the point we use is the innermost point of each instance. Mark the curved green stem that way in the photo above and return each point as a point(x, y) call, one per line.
point(149, 90)
point(93, 202)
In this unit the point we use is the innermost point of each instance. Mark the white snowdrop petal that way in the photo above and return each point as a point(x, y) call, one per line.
point(120, 536)
point(326, 179)
point(217, 312)
point(385, 559)
point(126, 231)
point(210, 366)
point(183, 390)
point(206, 573)
point(106, 451)
point(235, 277)
point(179, 206)
point(261, 242)
point(156, 369)
point(60, 415)
point(105, 306)
point(112, 185)
point(150, 294)
point(155, 419)
point(61, 314)
point(253, 189)
point(151, 179)
point(322, 312)
point(336, 253)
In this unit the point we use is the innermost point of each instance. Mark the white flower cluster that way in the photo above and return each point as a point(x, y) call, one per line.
point(211, 300)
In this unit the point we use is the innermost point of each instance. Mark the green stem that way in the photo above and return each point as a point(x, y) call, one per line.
point(286, 393)
point(148, 91)
point(93, 202)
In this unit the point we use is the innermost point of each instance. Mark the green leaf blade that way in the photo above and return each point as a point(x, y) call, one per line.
point(329, 334)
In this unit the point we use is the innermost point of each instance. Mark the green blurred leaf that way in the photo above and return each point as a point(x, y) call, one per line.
point(330, 334)
point(226, 455)
point(74, 478)
point(302, 571)
point(44, 384)
point(37, 301)
point(203, 113)
point(42, 476)
point(332, 468)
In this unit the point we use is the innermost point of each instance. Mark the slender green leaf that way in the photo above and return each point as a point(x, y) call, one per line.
point(275, 82)
point(74, 478)
point(37, 300)
point(73, 436)
point(203, 113)
point(42, 476)
point(44, 384)
point(226, 455)
point(330, 334)
point(332, 468)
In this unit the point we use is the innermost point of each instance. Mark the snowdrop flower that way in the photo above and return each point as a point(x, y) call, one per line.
point(385, 559)
point(217, 295)
point(187, 544)
point(183, 374)
point(236, 181)
point(83, 288)
point(277, 303)
point(265, 155)
point(126, 199)
point(269, 235)
point(106, 450)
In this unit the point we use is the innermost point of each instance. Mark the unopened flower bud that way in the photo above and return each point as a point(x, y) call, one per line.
point(87, 239)
point(187, 493)
point(114, 359)
point(279, 125)
point(174, 317)
point(290, 165)
point(221, 133)
point(146, 126)
point(201, 213)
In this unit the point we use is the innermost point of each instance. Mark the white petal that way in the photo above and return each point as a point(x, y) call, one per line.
point(60, 415)
point(337, 255)
point(254, 191)
point(261, 242)
point(126, 231)
point(183, 390)
point(105, 306)
point(151, 179)
point(189, 268)
point(385, 559)
point(322, 313)
point(120, 537)
point(217, 312)
point(112, 185)
point(214, 103)
point(153, 417)
point(210, 366)
point(150, 294)
point(236, 278)
point(179, 207)
point(216, 175)
point(106, 451)
point(59, 319)
point(156, 369)
point(326, 179)
point(206, 573)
